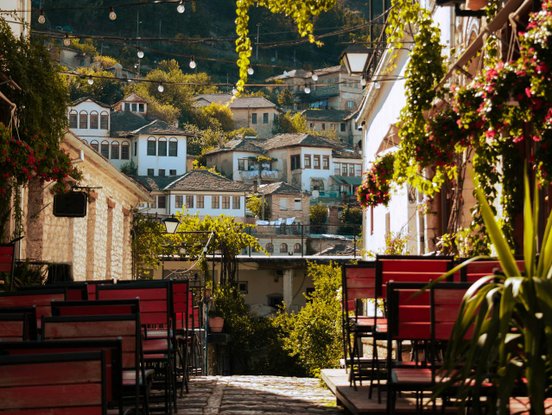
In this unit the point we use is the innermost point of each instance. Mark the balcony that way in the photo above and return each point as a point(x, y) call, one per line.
point(250, 175)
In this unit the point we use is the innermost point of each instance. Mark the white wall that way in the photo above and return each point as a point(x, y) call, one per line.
point(167, 163)
point(238, 212)
point(88, 133)
point(308, 174)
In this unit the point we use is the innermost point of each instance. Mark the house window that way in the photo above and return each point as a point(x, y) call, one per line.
point(295, 162)
point(161, 172)
point(283, 248)
point(226, 202)
point(323, 126)
point(269, 248)
point(254, 118)
point(73, 119)
point(140, 107)
point(311, 126)
point(114, 150)
point(344, 169)
point(161, 202)
point(150, 172)
point(172, 172)
point(95, 145)
point(215, 202)
point(283, 204)
point(125, 150)
point(241, 164)
point(94, 120)
point(173, 147)
point(104, 120)
point(200, 201)
point(307, 160)
point(316, 162)
point(326, 162)
point(126, 106)
point(83, 119)
point(358, 170)
point(297, 248)
point(296, 204)
point(236, 202)
point(350, 104)
point(178, 201)
point(342, 127)
point(351, 170)
point(162, 147)
point(265, 118)
point(190, 201)
point(134, 107)
point(104, 149)
point(135, 148)
point(151, 146)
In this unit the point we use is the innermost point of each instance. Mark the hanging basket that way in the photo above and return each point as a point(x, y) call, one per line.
point(475, 5)
point(216, 324)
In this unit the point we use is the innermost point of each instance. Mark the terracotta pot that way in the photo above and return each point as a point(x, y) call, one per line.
point(475, 5)
point(216, 324)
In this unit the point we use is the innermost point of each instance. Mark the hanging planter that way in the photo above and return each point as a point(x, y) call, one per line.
point(475, 5)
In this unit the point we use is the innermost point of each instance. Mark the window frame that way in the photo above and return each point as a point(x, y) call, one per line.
point(83, 114)
point(215, 201)
point(103, 146)
point(225, 204)
point(73, 119)
point(189, 201)
point(115, 151)
point(307, 161)
point(253, 118)
point(173, 147)
point(326, 162)
point(200, 201)
point(94, 120)
point(236, 202)
point(125, 150)
point(151, 149)
point(162, 147)
point(316, 162)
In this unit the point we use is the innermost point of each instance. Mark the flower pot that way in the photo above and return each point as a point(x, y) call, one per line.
point(475, 5)
point(216, 324)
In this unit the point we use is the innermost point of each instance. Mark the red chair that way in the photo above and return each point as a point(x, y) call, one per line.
point(7, 261)
point(69, 383)
point(73, 290)
point(125, 327)
point(484, 267)
point(408, 320)
point(25, 320)
point(111, 348)
point(96, 308)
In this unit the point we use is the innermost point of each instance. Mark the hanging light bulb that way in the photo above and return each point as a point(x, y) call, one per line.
point(250, 71)
point(377, 85)
point(140, 53)
point(112, 14)
point(160, 88)
point(192, 63)
point(90, 81)
point(66, 40)
point(307, 90)
point(314, 77)
point(362, 82)
point(234, 91)
point(41, 18)
point(180, 8)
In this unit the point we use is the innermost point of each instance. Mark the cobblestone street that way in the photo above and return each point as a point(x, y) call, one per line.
point(251, 395)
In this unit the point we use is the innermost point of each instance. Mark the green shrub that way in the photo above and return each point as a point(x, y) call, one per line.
point(313, 334)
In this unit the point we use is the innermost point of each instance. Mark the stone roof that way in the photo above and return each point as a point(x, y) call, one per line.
point(124, 122)
point(155, 183)
point(240, 102)
point(242, 144)
point(204, 181)
point(326, 115)
point(83, 99)
point(344, 153)
point(159, 127)
point(278, 188)
point(297, 139)
point(218, 98)
point(133, 97)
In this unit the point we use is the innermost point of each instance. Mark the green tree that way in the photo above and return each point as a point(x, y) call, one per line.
point(289, 122)
point(351, 219)
point(149, 241)
point(214, 114)
point(203, 140)
point(313, 334)
point(255, 205)
point(105, 87)
point(318, 218)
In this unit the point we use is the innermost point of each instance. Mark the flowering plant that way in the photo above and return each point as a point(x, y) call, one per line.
point(376, 184)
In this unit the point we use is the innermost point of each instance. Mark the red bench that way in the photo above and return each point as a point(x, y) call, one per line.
point(40, 299)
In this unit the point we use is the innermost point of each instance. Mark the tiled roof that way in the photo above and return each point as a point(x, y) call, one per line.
point(124, 122)
point(219, 98)
point(240, 102)
point(297, 139)
point(83, 99)
point(155, 183)
point(159, 127)
point(281, 188)
point(133, 97)
point(326, 115)
point(242, 144)
point(205, 181)
point(346, 154)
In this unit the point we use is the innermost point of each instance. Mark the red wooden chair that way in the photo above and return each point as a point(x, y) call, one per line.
point(7, 262)
point(408, 320)
point(26, 320)
point(155, 316)
point(61, 384)
point(73, 290)
point(484, 267)
point(40, 299)
point(96, 308)
point(125, 327)
point(183, 337)
point(112, 349)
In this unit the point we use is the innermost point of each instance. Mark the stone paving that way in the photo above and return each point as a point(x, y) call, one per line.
point(257, 395)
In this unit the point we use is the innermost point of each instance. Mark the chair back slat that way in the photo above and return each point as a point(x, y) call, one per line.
point(7, 258)
point(482, 268)
point(95, 308)
point(359, 282)
point(408, 308)
point(53, 383)
point(446, 300)
point(40, 299)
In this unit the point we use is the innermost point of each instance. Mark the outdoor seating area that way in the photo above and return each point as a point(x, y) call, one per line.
point(396, 327)
point(125, 347)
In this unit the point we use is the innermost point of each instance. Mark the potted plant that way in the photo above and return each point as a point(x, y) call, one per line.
point(216, 317)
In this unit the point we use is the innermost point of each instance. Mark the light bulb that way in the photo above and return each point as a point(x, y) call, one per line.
point(90, 81)
point(377, 85)
point(41, 18)
point(314, 77)
point(180, 8)
point(192, 63)
point(140, 53)
point(250, 71)
point(362, 82)
point(160, 88)
point(234, 91)
point(307, 90)
point(66, 40)
point(112, 14)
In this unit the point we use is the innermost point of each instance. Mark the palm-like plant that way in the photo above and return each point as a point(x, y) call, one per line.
point(503, 335)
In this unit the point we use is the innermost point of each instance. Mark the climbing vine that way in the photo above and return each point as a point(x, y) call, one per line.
point(301, 12)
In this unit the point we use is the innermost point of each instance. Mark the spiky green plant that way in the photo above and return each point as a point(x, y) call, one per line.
point(508, 321)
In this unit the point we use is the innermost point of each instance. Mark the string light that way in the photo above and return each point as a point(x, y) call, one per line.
point(192, 63)
point(140, 53)
point(314, 77)
point(90, 81)
point(362, 82)
point(66, 40)
point(377, 85)
point(160, 88)
point(250, 71)
point(41, 18)
point(180, 8)
point(234, 91)
point(307, 90)
point(112, 14)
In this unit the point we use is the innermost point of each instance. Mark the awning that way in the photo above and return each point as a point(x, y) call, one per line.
point(352, 181)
